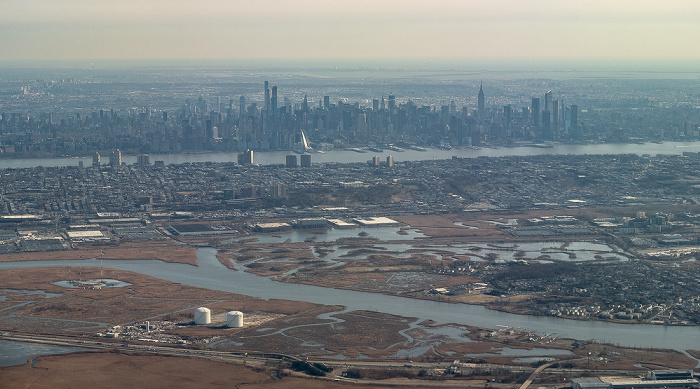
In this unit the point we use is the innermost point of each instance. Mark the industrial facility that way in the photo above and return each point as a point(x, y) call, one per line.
point(202, 315)
point(234, 319)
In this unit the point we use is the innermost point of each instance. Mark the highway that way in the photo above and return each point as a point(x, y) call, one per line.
point(239, 357)
point(261, 359)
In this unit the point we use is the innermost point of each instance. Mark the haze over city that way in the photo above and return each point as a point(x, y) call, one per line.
point(620, 33)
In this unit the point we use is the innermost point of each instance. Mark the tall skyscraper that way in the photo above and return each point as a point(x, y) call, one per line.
point(555, 119)
point(481, 104)
point(507, 115)
point(273, 103)
point(267, 95)
point(209, 129)
point(548, 101)
point(390, 161)
point(291, 161)
point(96, 159)
point(526, 115)
point(547, 108)
point(241, 108)
point(306, 160)
point(546, 125)
point(536, 116)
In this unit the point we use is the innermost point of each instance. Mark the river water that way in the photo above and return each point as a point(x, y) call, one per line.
point(211, 274)
point(347, 156)
point(17, 353)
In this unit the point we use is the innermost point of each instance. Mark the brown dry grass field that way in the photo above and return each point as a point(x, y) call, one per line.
point(371, 334)
point(627, 358)
point(166, 251)
point(124, 369)
point(443, 226)
point(147, 298)
point(118, 370)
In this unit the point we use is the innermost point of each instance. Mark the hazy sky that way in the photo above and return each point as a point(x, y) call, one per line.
point(435, 29)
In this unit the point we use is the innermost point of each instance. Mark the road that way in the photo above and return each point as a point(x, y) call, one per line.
point(261, 359)
point(535, 373)
point(239, 357)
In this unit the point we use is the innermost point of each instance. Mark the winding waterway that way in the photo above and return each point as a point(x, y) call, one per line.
point(17, 353)
point(347, 156)
point(211, 274)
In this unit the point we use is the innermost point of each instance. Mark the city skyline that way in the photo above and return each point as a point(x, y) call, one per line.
point(464, 31)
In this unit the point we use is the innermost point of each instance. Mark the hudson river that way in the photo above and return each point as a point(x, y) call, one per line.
point(347, 156)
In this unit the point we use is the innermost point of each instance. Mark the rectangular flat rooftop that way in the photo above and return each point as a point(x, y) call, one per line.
point(84, 234)
point(341, 223)
point(270, 227)
point(630, 383)
point(376, 221)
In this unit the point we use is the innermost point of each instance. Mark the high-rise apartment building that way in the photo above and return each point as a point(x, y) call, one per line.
point(245, 158)
point(115, 159)
point(143, 160)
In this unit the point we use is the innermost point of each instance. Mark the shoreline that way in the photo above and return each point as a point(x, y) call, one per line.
point(356, 148)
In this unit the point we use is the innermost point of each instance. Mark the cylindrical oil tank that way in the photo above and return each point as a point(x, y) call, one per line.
point(202, 315)
point(234, 319)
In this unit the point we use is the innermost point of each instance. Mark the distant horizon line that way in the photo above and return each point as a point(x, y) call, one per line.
point(380, 68)
point(689, 65)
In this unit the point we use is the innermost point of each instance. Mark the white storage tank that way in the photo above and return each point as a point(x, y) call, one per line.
point(202, 315)
point(234, 319)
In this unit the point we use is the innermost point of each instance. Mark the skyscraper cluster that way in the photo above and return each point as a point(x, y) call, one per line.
point(551, 121)
point(267, 120)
